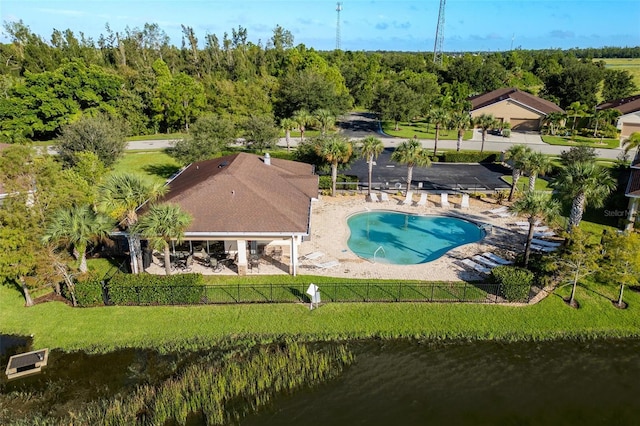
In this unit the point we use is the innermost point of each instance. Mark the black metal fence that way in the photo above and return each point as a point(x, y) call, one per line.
point(296, 293)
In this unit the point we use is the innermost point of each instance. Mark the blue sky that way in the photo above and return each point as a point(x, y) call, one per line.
point(470, 25)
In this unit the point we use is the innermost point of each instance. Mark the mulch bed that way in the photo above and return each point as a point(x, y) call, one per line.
point(51, 297)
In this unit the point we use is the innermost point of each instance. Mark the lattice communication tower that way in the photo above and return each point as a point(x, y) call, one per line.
point(437, 46)
point(338, 41)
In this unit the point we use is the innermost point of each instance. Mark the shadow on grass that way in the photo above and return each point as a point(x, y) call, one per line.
point(164, 171)
point(304, 298)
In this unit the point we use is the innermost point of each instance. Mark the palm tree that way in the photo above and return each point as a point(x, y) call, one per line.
point(535, 205)
point(485, 122)
point(536, 164)
point(302, 119)
point(412, 154)
point(633, 141)
point(583, 183)
point(370, 149)
point(77, 227)
point(335, 150)
point(576, 110)
point(517, 156)
point(120, 196)
point(461, 122)
point(438, 116)
point(161, 224)
point(325, 118)
point(287, 124)
point(554, 120)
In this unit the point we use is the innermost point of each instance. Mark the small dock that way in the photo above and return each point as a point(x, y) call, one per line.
point(27, 363)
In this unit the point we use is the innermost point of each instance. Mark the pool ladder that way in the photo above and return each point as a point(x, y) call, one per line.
point(376, 252)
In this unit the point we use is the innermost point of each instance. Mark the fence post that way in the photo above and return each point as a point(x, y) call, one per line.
point(497, 291)
point(432, 288)
point(464, 293)
point(271, 292)
point(399, 292)
point(368, 284)
point(238, 299)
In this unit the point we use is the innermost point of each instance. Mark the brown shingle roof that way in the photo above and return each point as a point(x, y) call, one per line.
point(633, 187)
point(624, 105)
point(241, 194)
point(517, 95)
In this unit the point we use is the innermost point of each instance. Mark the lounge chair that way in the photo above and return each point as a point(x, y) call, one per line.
point(384, 197)
point(373, 198)
point(498, 210)
point(535, 228)
point(464, 204)
point(544, 249)
point(475, 266)
point(545, 243)
point(423, 200)
point(444, 200)
point(408, 198)
point(485, 261)
point(497, 258)
point(525, 224)
point(544, 234)
point(312, 256)
point(503, 214)
point(327, 265)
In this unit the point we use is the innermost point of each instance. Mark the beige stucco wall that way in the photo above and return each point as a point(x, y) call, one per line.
point(506, 110)
point(628, 123)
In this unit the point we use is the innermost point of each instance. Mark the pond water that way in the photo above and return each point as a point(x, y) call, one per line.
point(479, 383)
point(407, 239)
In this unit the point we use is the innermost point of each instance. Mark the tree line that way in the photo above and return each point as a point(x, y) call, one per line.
point(152, 86)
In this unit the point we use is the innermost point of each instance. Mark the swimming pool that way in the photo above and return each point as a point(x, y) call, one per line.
point(407, 239)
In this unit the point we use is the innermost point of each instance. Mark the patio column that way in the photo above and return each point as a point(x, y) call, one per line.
point(293, 267)
point(242, 257)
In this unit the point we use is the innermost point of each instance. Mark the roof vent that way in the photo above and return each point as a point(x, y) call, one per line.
point(223, 164)
point(267, 159)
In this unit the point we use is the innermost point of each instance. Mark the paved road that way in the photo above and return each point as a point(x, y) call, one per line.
point(358, 125)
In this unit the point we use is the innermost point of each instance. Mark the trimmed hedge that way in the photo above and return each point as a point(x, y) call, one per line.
point(470, 157)
point(515, 283)
point(127, 289)
point(325, 182)
point(88, 293)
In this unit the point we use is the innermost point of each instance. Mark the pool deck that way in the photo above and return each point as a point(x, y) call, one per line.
point(330, 234)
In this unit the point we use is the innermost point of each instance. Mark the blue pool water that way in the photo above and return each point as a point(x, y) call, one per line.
point(407, 239)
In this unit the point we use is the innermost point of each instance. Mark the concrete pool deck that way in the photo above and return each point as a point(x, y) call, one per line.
point(330, 234)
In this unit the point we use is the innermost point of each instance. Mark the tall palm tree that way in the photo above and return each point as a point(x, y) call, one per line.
point(370, 148)
point(535, 205)
point(161, 224)
point(302, 119)
point(517, 156)
point(583, 184)
point(412, 154)
point(485, 122)
point(325, 119)
point(460, 121)
point(288, 124)
point(576, 110)
point(536, 164)
point(633, 141)
point(120, 195)
point(438, 116)
point(335, 150)
point(77, 227)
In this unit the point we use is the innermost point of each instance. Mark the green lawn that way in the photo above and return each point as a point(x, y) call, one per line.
point(628, 64)
point(156, 165)
point(581, 140)
point(523, 183)
point(157, 137)
point(419, 129)
point(56, 325)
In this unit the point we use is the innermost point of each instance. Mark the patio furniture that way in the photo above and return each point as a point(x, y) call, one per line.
point(327, 265)
point(312, 256)
point(498, 210)
point(464, 204)
point(485, 261)
point(475, 266)
point(408, 198)
point(423, 200)
point(384, 197)
point(372, 198)
point(496, 258)
point(444, 200)
point(544, 243)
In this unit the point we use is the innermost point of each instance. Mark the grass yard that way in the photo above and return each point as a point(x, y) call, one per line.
point(56, 325)
point(419, 129)
point(523, 183)
point(156, 165)
point(157, 137)
point(581, 140)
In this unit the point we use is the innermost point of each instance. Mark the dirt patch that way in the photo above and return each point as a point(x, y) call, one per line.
point(51, 297)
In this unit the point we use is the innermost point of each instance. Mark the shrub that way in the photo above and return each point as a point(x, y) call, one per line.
point(126, 289)
point(325, 182)
point(515, 283)
point(470, 157)
point(89, 292)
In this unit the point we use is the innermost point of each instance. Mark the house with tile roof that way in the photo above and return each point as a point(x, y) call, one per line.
point(246, 203)
point(522, 110)
point(629, 120)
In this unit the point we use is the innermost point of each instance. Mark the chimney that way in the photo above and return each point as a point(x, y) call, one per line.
point(267, 159)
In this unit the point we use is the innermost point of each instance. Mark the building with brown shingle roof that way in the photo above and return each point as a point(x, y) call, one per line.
point(522, 110)
point(248, 202)
point(629, 107)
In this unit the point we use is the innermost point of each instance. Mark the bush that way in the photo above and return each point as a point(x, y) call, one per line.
point(89, 292)
point(126, 289)
point(470, 157)
point(325, 182)
point(515, 283)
